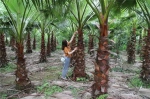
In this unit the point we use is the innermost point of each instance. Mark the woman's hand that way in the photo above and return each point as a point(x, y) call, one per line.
point(75, 48)
point(76, 32)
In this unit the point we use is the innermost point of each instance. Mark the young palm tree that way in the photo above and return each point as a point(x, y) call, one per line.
point(20, 13)
point(79, 16)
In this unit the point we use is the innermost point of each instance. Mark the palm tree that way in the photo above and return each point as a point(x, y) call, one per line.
point(79, 16)
point(52, 41)
point(3, 58)
point(48, 53)
point(131, 45)
point(144, 13)
point(3, 28)
point(102, 9)
point(145, 73)
point(20, 13)
point(50, 11)
point(102, 13)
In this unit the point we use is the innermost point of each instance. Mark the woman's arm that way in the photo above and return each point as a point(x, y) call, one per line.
point(73, 50)
point(73, 36)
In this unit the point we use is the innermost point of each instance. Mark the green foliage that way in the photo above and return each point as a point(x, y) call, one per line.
point(8, 68)
point(104, 96)
point(48, 90)
point(83, 79)
point(75, 91)
point(137, 82)
point(117, 69)
point(3, 96)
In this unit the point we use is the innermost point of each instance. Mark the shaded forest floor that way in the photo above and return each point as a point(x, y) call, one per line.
point(123, 79)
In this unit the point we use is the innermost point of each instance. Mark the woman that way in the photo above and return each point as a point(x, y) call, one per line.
point(67, 53)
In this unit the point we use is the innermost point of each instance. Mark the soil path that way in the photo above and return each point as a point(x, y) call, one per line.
point(48, 74)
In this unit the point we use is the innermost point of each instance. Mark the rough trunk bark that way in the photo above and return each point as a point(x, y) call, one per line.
point(102, 61)
point(55, 43)
point(48, 46)
point(34, 43)
point(131, 47)
point(139, 44)
point(29, 50)
point(79, 69)
point(3, 58)
point(74, 55)
point(13, 43)
point(43, 53)
point(145, 73)
point(6, 41)
point(52, 42)
point(22, 80)
point(91, 44)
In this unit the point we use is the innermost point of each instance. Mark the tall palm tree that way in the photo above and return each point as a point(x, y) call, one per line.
point(102, 9)
point(131, 45)
point(80, 14)
point(20, 13)
point(145, 73)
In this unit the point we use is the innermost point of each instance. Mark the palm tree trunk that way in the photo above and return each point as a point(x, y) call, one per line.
point(145, 73)
point(139, 44)
point(102, 61)
point(74, 55)
point(34, 43)
point(13, 43)
point(29, 50)
point(48, 46)
point(6, 40)
point(52, 42)
point(102, 58)
point(131, 47)
point(43, 53)
point(22, 80)
point(79, 69)
point(55, 43)
point(3, 59)
point(91, 43)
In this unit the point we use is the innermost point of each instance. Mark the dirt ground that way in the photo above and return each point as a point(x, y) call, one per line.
point(49, 72)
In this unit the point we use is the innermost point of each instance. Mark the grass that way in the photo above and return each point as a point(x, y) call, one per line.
point(48, 90)
point(104, 96)
point(82, 79)
point(8, 68)
point(137, 82)
point(3, 96)
point(75, 91)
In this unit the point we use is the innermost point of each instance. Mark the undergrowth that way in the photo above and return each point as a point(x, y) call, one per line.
point(48, 90)
point(8, 68)
point(137, 82)
point(3, 96)
point(104, 96)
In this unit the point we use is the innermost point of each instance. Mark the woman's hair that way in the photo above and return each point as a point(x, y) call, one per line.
point(64, 44)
